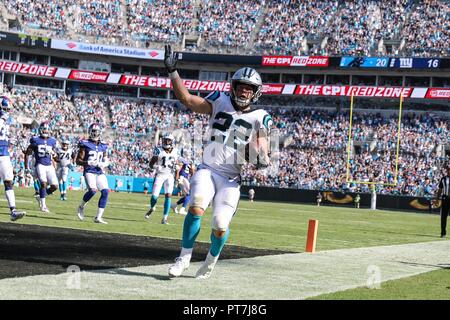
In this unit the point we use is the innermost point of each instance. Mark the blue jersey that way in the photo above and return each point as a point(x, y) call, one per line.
point(185, 170)
point(4, 135)
point(93, 152)
point(43, 149)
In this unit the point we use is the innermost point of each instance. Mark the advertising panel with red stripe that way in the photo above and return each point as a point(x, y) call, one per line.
point(295, 61)
point(82, 75)
point(28, 69)
point(208, 86)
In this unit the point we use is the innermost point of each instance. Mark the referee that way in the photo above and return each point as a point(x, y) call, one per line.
point(444, 195)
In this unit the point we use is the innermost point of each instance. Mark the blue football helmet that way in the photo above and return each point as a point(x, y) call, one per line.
point(95, 132)
point(6, 103)
point(44, 129)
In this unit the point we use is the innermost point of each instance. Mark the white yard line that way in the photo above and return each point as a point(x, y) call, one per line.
point(17, 200)
point(286, 276)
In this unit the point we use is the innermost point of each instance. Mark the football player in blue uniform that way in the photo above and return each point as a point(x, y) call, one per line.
point(92, 156)
point(43, 147)
point(182, 176)
point(6, 169)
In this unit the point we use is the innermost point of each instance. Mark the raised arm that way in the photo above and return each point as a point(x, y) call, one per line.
point(192, 102)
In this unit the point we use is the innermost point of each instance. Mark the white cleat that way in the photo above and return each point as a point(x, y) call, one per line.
point(174, 207)
point(164, 221)
point(45, 209)
point(182, 211)
point(207, 267)
point(100, 220)
point(16, 215)
point(181, 264)
point(80, 213)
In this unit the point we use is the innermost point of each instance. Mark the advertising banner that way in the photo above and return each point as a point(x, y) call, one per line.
point(67, 45)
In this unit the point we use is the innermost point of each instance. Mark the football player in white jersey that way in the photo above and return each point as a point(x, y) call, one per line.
point(235, 127)
point(165, 158)
point(6, 169)
point(65, 158)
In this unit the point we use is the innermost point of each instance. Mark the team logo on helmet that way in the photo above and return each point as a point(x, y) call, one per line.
point(250, 77)
point(44, 129)
point(95, 132)
point(167, 141)
point(6, 103)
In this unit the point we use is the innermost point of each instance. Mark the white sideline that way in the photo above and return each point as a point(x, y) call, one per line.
point(286, 276)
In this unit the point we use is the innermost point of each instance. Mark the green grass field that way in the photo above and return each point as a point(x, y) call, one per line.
point(279, 226)
point(431, 285)
point(258, 224)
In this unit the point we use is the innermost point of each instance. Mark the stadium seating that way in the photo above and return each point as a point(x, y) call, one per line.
point(313, 158)
point(347, 27)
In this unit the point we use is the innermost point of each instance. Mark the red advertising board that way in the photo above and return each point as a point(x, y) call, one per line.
point(295, 61)
point(357, 91)
point(224, 86)
point(88, 76)
point(29, 69)
point(438, 93)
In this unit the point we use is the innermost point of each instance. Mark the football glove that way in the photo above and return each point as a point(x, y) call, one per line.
point(170, 59)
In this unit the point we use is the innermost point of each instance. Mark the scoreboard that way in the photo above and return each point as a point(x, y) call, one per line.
point(415, 63)
point(394, 63)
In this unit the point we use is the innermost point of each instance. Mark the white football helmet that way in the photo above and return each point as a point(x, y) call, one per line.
point(167, 141)
point(246, 76)
point(65, 143)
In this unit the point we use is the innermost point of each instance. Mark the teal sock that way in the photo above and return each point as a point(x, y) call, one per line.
point(153, 201)
point(191, 229)
point(166, 207)
point(60, 187)
point(37, 186)
point(64, 187)
point(218, 243)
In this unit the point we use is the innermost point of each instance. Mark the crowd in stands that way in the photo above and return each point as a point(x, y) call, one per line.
point(158, 20)
point(316, 157)
point(360, 25)
point(275, 27)
point(427, 31)
point(44, 14)
point(313, 141)
point(229, 23)
point(287, 24)
point(98, 18)
point(91, 108)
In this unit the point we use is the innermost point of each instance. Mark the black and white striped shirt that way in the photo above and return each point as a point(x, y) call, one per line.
point(444, 184)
